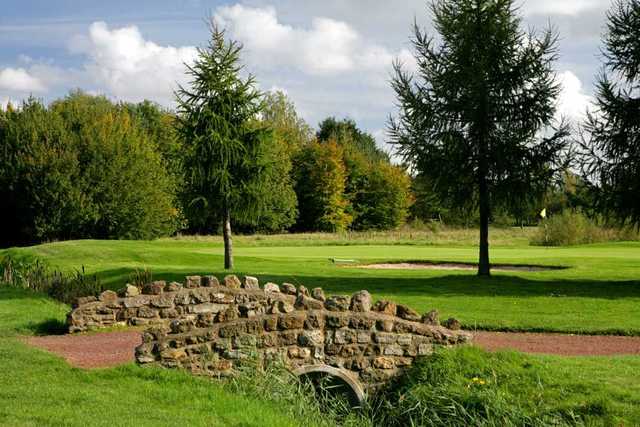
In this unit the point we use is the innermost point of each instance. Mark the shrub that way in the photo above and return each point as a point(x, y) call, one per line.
point(574, 228)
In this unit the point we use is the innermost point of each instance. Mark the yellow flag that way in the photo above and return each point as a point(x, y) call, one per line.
point(543, 213)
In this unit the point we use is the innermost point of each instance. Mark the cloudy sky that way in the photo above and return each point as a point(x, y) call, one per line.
point(332, 57)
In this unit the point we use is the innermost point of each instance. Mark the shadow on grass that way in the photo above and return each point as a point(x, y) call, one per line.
point(48, 327)
point(502, 285)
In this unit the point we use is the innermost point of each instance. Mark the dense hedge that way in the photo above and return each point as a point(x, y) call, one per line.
point(82, 167)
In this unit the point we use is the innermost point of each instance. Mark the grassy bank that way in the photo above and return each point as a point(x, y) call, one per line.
point(466, 386)
point(37, 388)
point(599, 292)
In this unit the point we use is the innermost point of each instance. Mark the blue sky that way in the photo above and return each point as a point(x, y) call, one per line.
point(332, 57)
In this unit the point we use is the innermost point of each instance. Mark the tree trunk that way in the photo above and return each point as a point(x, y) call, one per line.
point(484, 268)
point(228, 243)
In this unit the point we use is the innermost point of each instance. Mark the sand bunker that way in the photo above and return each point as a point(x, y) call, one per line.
point(424, 265)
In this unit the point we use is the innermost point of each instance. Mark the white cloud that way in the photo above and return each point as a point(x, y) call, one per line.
point(128, 67)
point(562, 7)
point(20, 80)
point(573, 102)
point(327, 47)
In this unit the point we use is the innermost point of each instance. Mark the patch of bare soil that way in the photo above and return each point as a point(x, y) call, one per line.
point(98, 350)
point(452, 266)
point(558, 344)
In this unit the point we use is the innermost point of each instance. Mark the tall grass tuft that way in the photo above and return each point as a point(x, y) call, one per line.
point(470, 387)
point(140, 277)
point(35, 275)
point(301, 399)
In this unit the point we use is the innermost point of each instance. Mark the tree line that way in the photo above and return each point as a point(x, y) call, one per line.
point(86, 167)
point(476, 128)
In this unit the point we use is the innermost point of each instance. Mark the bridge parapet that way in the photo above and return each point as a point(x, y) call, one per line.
point(222, 326)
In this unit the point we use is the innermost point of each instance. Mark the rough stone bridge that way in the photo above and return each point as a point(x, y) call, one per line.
point(209, 327)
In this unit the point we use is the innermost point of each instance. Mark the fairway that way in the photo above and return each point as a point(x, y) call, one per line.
point(598, 292)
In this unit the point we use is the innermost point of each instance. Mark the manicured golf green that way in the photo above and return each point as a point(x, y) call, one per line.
point(598, 292)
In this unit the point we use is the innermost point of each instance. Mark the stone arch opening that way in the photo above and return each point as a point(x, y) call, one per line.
point(340, 378)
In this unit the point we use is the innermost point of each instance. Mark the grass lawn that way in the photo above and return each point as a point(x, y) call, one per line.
point(599, 292)
point(39, 389)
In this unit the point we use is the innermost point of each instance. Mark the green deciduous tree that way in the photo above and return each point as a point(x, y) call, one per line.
point(471, 118)
point(288, 127)
point(345, 132)
point(384, 199)
point(320, 178)
point(611, 141)
point(290, 133)
point(378, 193)
point(224, 159)
point(82, 168)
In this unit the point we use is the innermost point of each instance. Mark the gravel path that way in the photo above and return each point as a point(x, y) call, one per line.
point(107, 349)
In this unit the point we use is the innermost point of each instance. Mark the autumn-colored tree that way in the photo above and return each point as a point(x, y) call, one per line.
point(320, 182)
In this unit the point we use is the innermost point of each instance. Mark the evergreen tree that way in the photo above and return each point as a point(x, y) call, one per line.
point(471, 118)
point(224, 161)
point(611, 143)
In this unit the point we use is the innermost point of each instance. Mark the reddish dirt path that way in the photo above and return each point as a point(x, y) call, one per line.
point(560, 344)
point(107, 349)
point(99, 350)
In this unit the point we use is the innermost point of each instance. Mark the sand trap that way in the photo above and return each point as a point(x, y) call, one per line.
point(453, 266)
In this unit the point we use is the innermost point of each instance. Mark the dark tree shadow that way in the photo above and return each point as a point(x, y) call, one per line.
point(464, 284)
point(49, 327)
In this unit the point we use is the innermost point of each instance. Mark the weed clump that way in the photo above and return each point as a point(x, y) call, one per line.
point(469, 386)
point(35, 275)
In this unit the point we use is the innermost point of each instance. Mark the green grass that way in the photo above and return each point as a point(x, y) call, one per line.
point(468, 386)
point(39, 389)
point(599, 292)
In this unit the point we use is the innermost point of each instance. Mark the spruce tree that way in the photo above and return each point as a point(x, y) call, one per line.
point(216, 119)
point(476, 119)
point(611, 141)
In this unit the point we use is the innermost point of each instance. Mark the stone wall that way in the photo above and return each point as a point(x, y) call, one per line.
point(156, 303)
point(209, 328)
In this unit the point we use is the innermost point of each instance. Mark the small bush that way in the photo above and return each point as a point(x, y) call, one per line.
point(33, 274)
point(575, 228)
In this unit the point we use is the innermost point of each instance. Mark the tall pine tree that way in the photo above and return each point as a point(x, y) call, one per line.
point(471, 118)
point(611, 142)
point(216, 119)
